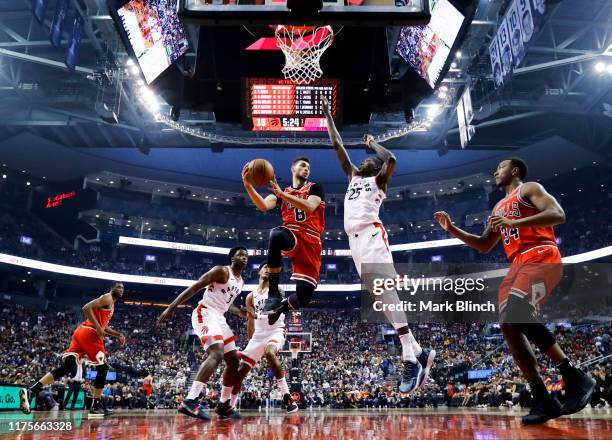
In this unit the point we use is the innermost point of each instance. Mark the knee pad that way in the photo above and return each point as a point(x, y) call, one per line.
point(522, 316)
point(68, 368)
point(303, 294)
point(538, 334)
point(280, 240)
point(100, 379)
point(518, 310)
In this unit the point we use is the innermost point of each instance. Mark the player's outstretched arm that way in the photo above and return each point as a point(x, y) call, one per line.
point(551, 213)
point(105, 300)
point(388, 158)
point(345, 161)
point(262, 204)
point(482, 243)
point(216, 274)
point(238, 311)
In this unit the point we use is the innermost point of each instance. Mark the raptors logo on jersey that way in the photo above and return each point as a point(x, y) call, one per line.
point(261, 323)
point(362, 203)
point(294, 217)
point(515, 240)
point(220, 296)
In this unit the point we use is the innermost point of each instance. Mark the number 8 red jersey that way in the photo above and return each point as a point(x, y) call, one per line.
point(293, 216)
point(514, 240)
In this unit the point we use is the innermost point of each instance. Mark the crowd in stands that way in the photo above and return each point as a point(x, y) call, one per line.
point(580, 234)
point(351, 363)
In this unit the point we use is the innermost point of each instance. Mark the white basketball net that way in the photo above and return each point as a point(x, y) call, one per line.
point(294, 348)
point(303, 47)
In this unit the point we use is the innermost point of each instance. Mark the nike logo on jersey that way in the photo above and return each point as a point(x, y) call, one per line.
point(375, 234)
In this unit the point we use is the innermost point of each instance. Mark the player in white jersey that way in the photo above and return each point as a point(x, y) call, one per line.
point(264, 340)
point(369, 244)
point(224, 284)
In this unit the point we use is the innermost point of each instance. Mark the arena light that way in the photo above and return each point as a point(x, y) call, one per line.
point(177, 282)
point(223, 250)
point(600, 67)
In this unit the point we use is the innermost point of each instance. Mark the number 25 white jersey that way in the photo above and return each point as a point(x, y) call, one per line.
point(362, 204)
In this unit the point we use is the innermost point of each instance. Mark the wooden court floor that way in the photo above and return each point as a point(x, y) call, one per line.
point(429, 424)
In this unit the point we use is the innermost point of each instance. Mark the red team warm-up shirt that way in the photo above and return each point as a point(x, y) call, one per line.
point(516, 240)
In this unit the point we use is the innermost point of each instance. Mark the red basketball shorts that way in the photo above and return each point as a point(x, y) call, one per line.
point(533, 275)
point(305, 255)
point(86, 344)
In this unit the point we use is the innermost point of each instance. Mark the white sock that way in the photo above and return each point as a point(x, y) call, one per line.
point(226, 393)
point(407, 350)
point(415, 345)
point(282, 386)
point(196, 389)
point(233, 399)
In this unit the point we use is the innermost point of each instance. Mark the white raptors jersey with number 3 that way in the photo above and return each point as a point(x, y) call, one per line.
point(261, 323)
point(362, 204)
point(219, 297)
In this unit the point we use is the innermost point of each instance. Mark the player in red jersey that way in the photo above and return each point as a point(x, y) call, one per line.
point(524, 220)
point(303, 214)
point(87, 344)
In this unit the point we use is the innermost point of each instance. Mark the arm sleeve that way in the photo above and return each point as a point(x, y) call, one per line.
point(317, 190)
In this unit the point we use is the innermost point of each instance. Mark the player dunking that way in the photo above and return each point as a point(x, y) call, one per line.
point(368, 241)
point(87, 344)
point(524, 220)
point(303, 214)
point(208, 321)
point(264, 340)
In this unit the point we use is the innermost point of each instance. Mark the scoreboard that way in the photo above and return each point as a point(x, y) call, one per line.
point(282, 105)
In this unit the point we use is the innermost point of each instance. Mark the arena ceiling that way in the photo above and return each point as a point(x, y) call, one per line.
point(554, 102)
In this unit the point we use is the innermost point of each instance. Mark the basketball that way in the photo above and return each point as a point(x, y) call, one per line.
point(261, 172)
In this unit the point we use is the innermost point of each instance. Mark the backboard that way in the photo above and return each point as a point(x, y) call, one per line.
point(274, 12)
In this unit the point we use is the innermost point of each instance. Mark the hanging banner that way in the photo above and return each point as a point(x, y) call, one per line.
point(504, 48)
point(39, 8)
point(74, 44)
point(498, 75)
point(524, 10)
point(516, 36)
point(57, 26)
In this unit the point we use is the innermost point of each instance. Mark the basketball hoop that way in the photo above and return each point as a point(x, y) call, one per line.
point(294, 348)
point(303, 47)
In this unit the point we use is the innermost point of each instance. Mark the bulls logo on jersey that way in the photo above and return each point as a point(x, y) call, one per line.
point(292, 215)
point(514, 206)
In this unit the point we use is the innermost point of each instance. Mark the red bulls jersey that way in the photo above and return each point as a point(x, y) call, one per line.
point(293, 216)
point(102, 315)
point(515, 240)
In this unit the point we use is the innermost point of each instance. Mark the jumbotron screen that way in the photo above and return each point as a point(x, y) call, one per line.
point(281, 105)
point(155, 34)
point(427, 48)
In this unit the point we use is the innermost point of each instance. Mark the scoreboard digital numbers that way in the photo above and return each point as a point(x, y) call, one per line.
point(281, 105)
